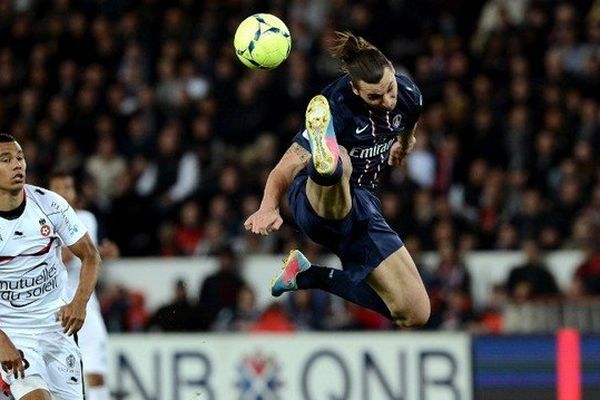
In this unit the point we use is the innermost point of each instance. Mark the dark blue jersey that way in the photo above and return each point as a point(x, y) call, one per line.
point(366, 133)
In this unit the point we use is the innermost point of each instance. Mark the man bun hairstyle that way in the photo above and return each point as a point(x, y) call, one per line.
point(360, 59)
point(6, 138)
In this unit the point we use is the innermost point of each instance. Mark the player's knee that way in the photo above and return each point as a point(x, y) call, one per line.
point(417, 315)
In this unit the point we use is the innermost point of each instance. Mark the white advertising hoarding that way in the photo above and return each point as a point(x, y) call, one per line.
point(332, 366)
point(156, 277)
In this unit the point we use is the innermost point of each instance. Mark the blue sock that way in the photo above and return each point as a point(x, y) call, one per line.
point(326, 180)
point(337, 282)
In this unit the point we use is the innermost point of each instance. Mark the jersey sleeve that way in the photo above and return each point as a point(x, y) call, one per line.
point(66, 223)
point(413, 100)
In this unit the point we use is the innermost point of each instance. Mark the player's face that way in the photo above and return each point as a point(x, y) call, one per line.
point(64, 186)
point(381, 95)
point(12, 167)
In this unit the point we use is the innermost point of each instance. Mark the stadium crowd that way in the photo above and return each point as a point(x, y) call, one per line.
point(172, 138)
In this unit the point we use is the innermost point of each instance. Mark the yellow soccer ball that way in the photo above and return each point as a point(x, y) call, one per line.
point(262, 41)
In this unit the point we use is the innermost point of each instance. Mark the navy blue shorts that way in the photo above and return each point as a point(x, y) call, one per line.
point(362, 240)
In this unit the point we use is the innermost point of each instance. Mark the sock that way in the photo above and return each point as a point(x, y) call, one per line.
point(326, 180)
point(97, 393)
point(337, 282)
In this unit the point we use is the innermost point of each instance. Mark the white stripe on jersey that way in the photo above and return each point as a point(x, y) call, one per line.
point(372, 123)
point(387, 119)
point(367, 160)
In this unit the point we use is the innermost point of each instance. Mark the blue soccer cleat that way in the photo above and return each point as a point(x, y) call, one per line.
point(285, 280)
point(323, 144)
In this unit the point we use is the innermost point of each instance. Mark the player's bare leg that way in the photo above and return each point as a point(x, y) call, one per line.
point(398, 283)
point(330, 201)
point(37, 394)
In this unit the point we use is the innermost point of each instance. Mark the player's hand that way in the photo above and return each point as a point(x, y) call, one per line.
point(10, 358)
point(72, 316)
point(263, 222)
point(398, 151)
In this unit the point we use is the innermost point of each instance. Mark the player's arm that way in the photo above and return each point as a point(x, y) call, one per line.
point(73, 314)
point(267, 218)
point(403, 145)
point(406, 140)
point(281, 177)
point(86, 251)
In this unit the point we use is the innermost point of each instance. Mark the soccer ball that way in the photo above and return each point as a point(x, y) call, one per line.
point(262, 41)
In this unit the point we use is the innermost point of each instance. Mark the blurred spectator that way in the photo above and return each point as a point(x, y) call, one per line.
point(424, 216)
point(189, 231)
point(105, 167)
point(179, 315)
point(246, 117)
point(175, 173)
point(137, 315)
point(491, 318)
point(532, 279)
point(450, 293)
point(221, 289)
point(447, 164)
point(214, 239)
point(68, 157)
point(491, 204)
point(132, 222)
point(465, 196)
point(586, 279)
point(457, 313)
point(507, 239)
point(273, 319)
point(242, 316)
point(167, 239)
point(531, 217)
point(307, 309)
point(413, 245)
point(114, 303)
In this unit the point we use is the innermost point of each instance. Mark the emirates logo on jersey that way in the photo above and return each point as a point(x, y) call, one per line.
point(45, 230)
